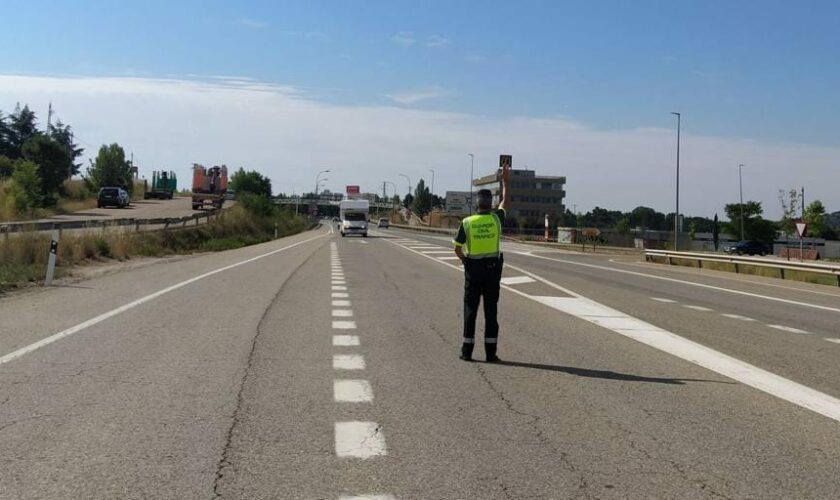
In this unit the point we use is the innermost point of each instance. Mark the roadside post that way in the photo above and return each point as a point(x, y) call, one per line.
point(546, 227)
point(51, 262)
point(801, 227)
point(275, 231)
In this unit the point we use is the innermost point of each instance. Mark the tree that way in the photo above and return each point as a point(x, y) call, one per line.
point(55, 165)
point(63, 135)
point(755, 227)
point(790, 201)
point(716, 232)
point(26, 186)
point(250, 181)
point(7, 166)
point(422, 202)
point(815, 217)
point(408, 200)
point(5, 133)
point(647, 218)
point(21, 127)
point(110, 168)
point(622, 227)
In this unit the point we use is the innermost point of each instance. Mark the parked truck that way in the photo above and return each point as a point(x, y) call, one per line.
point(209, 186)
point(164, 186)
point(354, 217)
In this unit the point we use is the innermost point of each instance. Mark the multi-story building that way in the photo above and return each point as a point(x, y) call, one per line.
point(457, 202)
point(532, 196)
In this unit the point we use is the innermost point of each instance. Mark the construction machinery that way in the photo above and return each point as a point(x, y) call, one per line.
point(209, 186)
point(164, 186)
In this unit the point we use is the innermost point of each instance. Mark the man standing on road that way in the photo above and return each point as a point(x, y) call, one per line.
point(478, 245)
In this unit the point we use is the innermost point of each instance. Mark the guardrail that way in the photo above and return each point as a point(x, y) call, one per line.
point(738, 261)
point(16, 227)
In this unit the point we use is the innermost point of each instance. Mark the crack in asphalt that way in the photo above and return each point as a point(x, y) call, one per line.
point(225, 460)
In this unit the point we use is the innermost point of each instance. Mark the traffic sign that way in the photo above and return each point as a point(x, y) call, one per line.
point(801, 227)
point(505, 161)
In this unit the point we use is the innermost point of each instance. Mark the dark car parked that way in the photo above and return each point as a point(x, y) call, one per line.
point(747, 248)
point(113, 196)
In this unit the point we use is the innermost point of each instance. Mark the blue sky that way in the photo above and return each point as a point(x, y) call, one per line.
point(755, 69)
point(575, 88)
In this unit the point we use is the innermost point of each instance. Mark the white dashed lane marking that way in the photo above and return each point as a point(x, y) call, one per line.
point(344, 325)
point(339, 288)
point(697, 308)
point(340, 295)
point(738, 317)
point(359, 440)
point(352, 391)
point(517, 280)
point(345, 340)
point(348, 362)
point(448, 258)
point(342, 313)
point(666, 301)
point(836, 341)
point(368, 497)
point(789, 329)
point(341, 303)
point(430, 252)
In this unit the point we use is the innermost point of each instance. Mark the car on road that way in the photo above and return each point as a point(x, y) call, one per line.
point(747, 248)
point(384, 223)
point(113, 197)
point(230, 194)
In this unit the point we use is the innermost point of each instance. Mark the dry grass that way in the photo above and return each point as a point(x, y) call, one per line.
point(23, 257)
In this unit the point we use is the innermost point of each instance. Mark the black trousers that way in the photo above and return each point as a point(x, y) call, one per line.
point(481, 280)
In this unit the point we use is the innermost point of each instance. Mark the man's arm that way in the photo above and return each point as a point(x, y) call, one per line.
point(459, 241)
point(503, 204)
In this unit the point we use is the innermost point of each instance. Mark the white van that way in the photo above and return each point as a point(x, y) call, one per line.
point(354, 217)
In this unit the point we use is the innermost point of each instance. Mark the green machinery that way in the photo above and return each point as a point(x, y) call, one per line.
point(164, 185)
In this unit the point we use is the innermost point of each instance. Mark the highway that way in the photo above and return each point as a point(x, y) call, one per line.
point(316, 366)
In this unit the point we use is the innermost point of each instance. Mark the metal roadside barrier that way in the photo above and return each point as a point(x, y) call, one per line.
point(738, 261)
point(16, 227)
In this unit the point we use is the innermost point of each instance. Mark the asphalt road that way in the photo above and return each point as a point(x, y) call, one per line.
point(317, 366)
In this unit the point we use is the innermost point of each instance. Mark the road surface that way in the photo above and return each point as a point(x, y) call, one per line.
point(139, 209)
point(317, 366)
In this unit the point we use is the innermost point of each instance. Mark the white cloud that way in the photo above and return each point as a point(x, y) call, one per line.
point(417, 95)
point(476, 59)
point(404, 38)
point(436, 42)
point(279, 131)
point(251, 23)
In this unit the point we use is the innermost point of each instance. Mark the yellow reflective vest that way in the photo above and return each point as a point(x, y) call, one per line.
point(483, 236)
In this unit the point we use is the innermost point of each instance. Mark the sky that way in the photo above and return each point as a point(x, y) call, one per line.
point(374, 89)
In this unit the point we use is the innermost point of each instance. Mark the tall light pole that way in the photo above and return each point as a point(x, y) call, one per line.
point(472, 164)
point(432, 191)
point(741, 189)
point(409, 182)
point(677, 213)
point(317, 179)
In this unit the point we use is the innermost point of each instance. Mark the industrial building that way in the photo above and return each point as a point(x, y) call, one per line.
point(532, 196)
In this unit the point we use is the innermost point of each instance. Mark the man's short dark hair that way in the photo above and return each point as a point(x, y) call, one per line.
point(484, 198)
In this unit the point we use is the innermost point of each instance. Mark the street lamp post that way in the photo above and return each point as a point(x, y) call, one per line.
point(741, 189)
point(677, 213)
point(409, 182)
point(472, 164)
point(317, 179)
point(432, 192)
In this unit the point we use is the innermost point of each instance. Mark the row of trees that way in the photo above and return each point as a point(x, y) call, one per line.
point(38, 162)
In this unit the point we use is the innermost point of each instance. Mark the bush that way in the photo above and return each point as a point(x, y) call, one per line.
point(103, 247)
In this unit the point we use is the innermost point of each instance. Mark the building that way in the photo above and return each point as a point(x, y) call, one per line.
point(532, 196)
point(457, 202)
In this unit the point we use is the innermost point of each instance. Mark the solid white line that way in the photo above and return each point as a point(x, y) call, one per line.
point(666, 301)
point(789, 329)
point(448, 258)
point(359, 440)
point(738, 317)
point(339, 295)
point(344, 325)
point(345, 340)
point(340, 288)
point(690, 351)
point(352, 391)
point(517, 280)
point(348, 362)
point(342, 313)
point(697, 308)
point(693, 352)
point(836, 341)
point(684, 282)
point(131, 305)
point(341, 303)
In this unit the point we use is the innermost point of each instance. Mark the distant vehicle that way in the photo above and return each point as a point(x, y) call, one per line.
point(113, 197)
point(354, 217)
point(164, 186)
point(209, 186)
point(230, 195)
point(384, 223)
point(747, 247)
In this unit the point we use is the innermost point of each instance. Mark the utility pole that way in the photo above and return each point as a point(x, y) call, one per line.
point(432, 192)
point(472, 164)
point(741, 189)
point(49, 119)
point(677, 213)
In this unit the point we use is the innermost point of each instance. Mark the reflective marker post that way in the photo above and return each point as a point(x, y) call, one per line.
point(546, 227)
point(51, 262)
